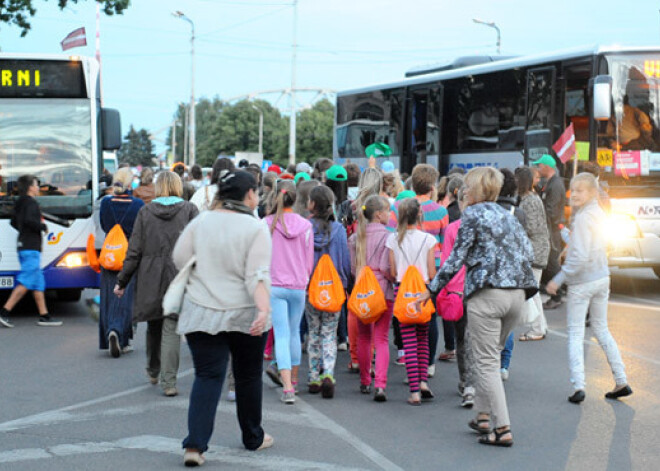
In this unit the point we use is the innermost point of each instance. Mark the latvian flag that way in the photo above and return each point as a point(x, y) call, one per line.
point(565, 145)
point(75, 38)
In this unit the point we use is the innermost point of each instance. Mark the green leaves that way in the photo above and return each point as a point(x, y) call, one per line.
point(18, 12)
point(137, 149)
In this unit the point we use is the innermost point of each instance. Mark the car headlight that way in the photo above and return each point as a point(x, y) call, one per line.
point(73, 260)
point(619, 227)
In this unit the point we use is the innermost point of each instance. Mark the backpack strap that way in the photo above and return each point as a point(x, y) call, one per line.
point(380, 242)
point(114, 215)
point(414, 259)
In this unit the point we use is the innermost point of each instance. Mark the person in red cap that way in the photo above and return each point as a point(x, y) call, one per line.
point(275, 168)
point(286, 176)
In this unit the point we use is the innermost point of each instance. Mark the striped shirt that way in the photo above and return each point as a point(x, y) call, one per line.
point(434, 221)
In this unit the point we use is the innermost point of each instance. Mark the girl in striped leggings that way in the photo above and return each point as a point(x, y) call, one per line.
point(410, 246)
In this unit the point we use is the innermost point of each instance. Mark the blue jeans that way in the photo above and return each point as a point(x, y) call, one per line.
point(505, 357)
point(210, 354)
point(288, 306)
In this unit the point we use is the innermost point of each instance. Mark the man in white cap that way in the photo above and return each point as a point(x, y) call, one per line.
point(304, 167)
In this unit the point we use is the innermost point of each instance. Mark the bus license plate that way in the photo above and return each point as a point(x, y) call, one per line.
point(6, 282)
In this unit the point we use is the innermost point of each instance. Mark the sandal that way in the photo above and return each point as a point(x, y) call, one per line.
point(477, 425)
point(414, 400)
point(427, 394)
point(497, 440)
point(530, 337)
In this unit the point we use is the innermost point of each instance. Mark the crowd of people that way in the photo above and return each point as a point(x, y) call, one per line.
point(267, 261)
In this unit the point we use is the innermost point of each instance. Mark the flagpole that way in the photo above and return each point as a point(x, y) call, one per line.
point(98, 49)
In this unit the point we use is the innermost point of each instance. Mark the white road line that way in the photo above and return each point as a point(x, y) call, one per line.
point(158, 444)
point(333, 427)
point(595, 344)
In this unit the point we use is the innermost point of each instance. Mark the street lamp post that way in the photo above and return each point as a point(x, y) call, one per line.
point(261, 129)
point(179, 14)
point(492, 25)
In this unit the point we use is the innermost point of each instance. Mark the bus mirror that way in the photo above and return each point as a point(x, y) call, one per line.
point(602, 97)
point(111, 125)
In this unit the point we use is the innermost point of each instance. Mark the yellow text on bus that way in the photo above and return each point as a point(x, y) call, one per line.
point(20, 78)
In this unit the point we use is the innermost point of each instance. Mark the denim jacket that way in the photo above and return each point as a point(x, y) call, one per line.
point(494, 248)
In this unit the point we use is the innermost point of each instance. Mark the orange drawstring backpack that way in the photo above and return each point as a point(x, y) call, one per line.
point(326, 291)
point(367, 300)
point(405, 306)
point(115, 246)
point(92, 258)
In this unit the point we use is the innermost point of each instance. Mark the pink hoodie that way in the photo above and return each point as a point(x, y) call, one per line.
point(293, 252)
point(457, 282)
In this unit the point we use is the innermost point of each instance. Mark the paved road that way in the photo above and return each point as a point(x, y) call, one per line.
point(67, 406)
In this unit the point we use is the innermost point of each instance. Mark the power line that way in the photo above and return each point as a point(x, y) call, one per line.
point(241, 23)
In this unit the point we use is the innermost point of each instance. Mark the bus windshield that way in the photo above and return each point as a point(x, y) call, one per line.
point(634, 128)
point(51, 139)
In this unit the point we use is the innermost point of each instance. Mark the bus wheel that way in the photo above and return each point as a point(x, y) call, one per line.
point(69, 295)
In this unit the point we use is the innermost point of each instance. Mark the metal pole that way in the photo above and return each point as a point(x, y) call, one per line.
point(193, 141)
point(499, 40)
point(185, 137)
point(292, 121)
point(98, 49)
point(173, 142)
point(261, 129)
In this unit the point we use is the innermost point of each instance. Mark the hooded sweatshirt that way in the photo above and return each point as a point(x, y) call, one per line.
point(28, 222)
point(293, 252)
point(336, 246)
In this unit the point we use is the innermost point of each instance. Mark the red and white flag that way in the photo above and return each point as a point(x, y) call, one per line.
point(75, 38)
point(565, 145)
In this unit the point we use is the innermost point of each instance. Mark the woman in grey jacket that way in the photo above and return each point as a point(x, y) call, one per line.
point(537, 231)
point(587, 275)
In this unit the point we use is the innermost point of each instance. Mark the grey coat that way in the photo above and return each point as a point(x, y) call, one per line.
point(155, 232)
point(536, 228)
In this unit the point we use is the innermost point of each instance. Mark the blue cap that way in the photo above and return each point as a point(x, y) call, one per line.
point(387, 166)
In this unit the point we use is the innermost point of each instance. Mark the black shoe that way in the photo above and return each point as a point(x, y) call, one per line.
point(577, 397)
point(47, 321)
point(380, 395)
point(327, 388)
point(551, 304)
point(365, 388)
point(113, 341)
point(619, 392)
point(5, 322)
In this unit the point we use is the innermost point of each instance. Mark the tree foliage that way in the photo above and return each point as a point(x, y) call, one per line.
point(137, 148)
point(225, 129)
point(18, 12)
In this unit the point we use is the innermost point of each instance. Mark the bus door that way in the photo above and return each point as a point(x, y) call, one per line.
point(539, 105)
point(422, 127)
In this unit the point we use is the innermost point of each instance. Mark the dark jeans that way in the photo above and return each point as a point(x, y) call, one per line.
point(342, 327)
point(434, 333)
point(210, 354)
point(449, 332)
point(398, 341)
point(553, 266)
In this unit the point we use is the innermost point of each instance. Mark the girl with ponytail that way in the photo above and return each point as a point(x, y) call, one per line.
point(368, 248)
point(291, 267)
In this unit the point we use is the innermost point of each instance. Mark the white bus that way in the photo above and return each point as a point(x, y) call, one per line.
point(52, 126)
point(505, 112)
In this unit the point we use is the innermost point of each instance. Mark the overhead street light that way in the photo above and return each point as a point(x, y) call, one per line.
point(491, 24)
point(179, 14)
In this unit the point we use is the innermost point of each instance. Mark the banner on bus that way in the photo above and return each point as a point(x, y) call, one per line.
point(633, 163)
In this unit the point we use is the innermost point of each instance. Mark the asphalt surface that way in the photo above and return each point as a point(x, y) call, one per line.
point(65, 405)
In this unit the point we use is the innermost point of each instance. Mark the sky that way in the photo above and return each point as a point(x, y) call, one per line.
point(244, 46)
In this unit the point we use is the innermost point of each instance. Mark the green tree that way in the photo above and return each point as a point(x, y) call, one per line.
point(137, 148)
point(314, 132)
point(18, 12)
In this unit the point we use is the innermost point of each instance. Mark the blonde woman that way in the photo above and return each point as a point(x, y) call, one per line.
point(115, 319)
point(498, 257)
point(149, 258)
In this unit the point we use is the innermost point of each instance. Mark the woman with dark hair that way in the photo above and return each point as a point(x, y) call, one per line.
point(116, 314)
point(537, 230)
point(270, 179)
point(196, 177)
point(27, 220)
point(226, 310)
point(204, 196)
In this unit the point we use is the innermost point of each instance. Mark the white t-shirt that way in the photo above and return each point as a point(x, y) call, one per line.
point(413, 251)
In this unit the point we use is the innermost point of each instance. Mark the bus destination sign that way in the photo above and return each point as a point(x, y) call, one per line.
point(41, 79)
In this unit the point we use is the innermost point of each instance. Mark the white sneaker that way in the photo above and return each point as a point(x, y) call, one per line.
point(231, 395)
point(505, 374)
point(193, 458)
point(342, 347)
point(431, 371)
point(468, 397)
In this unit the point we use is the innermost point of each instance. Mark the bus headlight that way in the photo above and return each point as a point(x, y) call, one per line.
point(620, 227)
point(73, 260)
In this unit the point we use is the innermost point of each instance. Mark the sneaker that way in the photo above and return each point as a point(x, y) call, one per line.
point(5, 322)
point(447, 355)
point(401, 361)
point(431, 371)
point(342, 347)
point(619, 391)
point(468, 398)
point(267, 443)
point(274, 374)
point(113, 342)
point(577, 397)
point(365, 389)
point(328, 387)
point(170, 392)
point(314, 387)
point(289, 397)
point(47, 321)
point(552, 304)
point(127, 349)
point(380, 395)
point(461, 388)
point(353, 367)
point(505, 374)
point(152, 379)
point(192, 458)
point(231, 395)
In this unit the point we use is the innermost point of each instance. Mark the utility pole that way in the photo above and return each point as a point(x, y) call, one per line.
point(185, 137)
point(173, 141)
point(261, 129)
point(292, 121)
point(192, 142)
